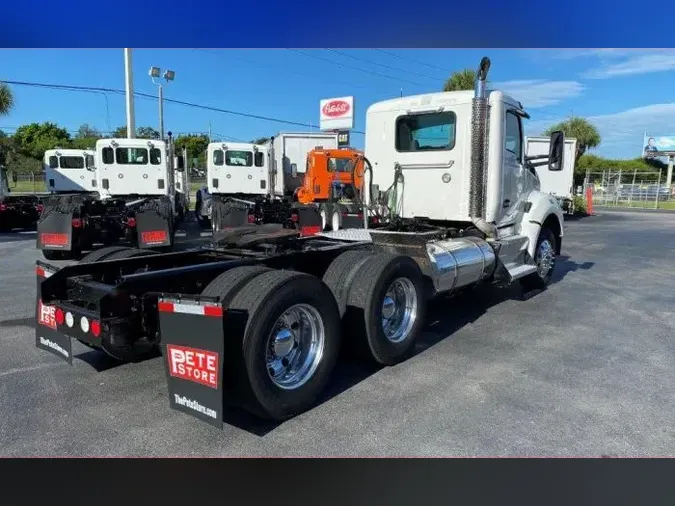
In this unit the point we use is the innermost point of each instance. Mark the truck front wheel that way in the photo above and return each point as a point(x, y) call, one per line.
point(291, 342)
point(544, 259)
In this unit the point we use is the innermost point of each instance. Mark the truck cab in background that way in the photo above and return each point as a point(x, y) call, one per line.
point(70, 171)
point(560, 184)
point(16, 210)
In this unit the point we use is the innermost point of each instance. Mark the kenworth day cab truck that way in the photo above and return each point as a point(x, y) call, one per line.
point(560, 184)
point(16, 210)
point(257, 318)
point(135, 200)
point(249, 183)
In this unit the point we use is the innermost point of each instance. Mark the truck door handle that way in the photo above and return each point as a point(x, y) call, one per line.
point(507, 203)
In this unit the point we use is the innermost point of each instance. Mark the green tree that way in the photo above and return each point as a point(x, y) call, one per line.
point(461, 80)
point(34, 139)
point(85, 131)
point(582, 130)
point(195, 144)
point(141, 133)
point(6, 99)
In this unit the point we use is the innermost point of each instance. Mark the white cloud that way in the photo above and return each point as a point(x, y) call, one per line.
point(539, 92)
point(660, 61)
point(622, 132)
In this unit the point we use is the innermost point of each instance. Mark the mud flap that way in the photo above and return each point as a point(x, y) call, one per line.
point(55, 231)
point(232, 214)
point(193, 345)
point(47, 338)
point(153, 230)
point(309, 220)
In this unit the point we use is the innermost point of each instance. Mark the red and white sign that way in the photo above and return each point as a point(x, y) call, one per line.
point(337, 113)
point(46, 315)
point(193, 364)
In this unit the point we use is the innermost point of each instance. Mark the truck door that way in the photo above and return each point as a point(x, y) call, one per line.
point(513, 175)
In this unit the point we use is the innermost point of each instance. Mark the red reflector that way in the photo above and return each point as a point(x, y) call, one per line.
point(294, 217)
point(251, 218)
point(154, 236)
point(165, 307)
point(54, 239)
point(3, 207)
point(310, 230)
point(59, 316)
point(213, 311)
point(77, 222)
point(131, 222)
point(96, 328)
point(40, 208)
point(40, 272)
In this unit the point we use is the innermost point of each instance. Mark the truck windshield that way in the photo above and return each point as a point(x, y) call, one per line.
point(341, 165)
point(71, 162)
point(131, 156)
point(239, 158)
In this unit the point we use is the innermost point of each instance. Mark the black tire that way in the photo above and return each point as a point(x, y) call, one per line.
point(130, 253)
point(265, 298)
point(535, 281)
point(228, 284)
point(52, 254)
point(363, 318)
point(103, 253)
point(341, 274)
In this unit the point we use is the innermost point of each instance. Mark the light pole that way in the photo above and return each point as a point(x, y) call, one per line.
point(168, 75)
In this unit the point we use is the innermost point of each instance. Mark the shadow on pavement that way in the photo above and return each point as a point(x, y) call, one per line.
point(18, 235)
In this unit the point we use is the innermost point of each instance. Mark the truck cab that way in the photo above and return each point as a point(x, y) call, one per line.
point(133, 167)
point(238, 169)
point(70, 171)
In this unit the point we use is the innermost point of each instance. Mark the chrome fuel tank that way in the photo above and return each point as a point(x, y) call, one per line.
point(459, 262)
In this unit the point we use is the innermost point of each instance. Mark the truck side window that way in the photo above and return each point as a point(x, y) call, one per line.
point(259, 159)
point(512, 135)
point(218, 157)
point(53, 162)
point(426, 132)
point(155, 156)
point(108, 155)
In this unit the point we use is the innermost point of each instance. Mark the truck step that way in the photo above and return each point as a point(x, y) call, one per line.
point(517, 271)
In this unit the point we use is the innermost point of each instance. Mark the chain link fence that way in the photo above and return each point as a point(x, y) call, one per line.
point(630, 189)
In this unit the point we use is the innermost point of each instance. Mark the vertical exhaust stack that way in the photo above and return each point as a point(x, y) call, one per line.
point(479, 151)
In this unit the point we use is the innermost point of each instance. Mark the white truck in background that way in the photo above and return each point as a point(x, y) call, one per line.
point(559, 184)
point(255, 183)
point(70, 171)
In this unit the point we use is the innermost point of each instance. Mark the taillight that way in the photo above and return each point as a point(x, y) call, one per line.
point(77, 222)
point(251, 218)
point(3, 207)
point(294, 218)
point(84, 324)
point(131, 222)
point(40, 208)
point(59, 316)
point(95, 328)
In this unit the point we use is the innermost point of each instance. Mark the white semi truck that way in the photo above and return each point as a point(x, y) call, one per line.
point(249, 183)
point(258, 318)
point(559, 184)
point(135, 198)
point(70, 171)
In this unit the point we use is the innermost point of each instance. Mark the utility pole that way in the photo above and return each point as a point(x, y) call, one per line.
point(129, 84)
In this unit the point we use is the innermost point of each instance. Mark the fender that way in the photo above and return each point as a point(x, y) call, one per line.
point(540, 207)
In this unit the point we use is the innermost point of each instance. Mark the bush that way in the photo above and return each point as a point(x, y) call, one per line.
point(580, 205)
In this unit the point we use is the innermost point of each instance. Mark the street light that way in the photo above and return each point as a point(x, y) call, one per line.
point(155, 73)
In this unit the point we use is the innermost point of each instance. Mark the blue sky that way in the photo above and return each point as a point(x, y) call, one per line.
point(623, 92)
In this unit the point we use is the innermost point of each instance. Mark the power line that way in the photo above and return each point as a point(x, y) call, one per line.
point(357, 68)
point(413, 60)
point(370, 62)
point(169, 100)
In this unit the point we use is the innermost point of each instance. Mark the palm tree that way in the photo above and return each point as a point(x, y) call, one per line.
point(6, 99)
point(462, 80)
point(582, 130)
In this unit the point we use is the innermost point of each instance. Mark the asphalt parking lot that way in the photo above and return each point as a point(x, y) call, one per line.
point(584, 368)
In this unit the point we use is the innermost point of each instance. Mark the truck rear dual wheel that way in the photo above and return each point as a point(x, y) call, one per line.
point(382, 299)
point(291, 339)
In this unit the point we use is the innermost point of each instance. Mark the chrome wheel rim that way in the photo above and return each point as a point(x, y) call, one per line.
point(295, 346)
point(399, 310)
point(324, 223)
point(545, 258)
point(335, 221)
